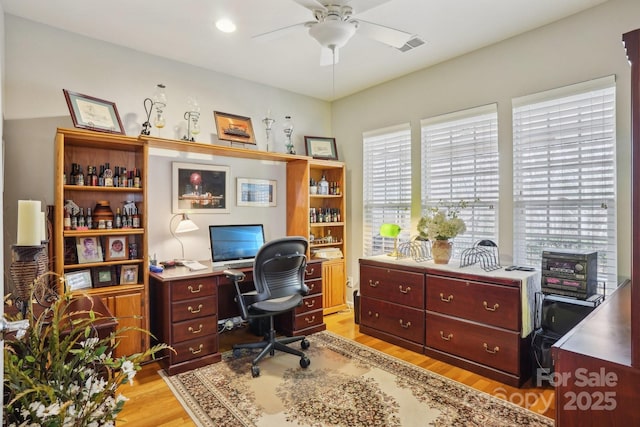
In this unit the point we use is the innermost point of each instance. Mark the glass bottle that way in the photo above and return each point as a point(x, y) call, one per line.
point(323, 185)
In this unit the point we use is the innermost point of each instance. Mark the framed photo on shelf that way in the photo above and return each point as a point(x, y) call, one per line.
point(129, 275)
point(320, 147)
point(255, 192)
point(234, 128)
point(116, 248)
point(200, 188)
point(88, 250)
point(104, 276)
point(76, 280)
point(88, 112)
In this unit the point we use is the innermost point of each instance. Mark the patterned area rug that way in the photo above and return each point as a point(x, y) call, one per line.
point(347, 384)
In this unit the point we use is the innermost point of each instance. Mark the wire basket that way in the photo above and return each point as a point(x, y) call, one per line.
point(418, 250)
point(484, 252)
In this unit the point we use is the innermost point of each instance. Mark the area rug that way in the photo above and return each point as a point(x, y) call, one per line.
point(347, 384)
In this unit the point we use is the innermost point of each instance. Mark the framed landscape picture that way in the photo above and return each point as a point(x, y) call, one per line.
point(255, 192)
point(200, 188)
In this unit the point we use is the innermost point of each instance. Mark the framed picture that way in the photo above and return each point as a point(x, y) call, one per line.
point(255, 192)
point(116, 248)
point(88, 250)
point(234, 128)
point(129, 275)
point(92, 113)
point(320, 147)
point(199, 188)
point(104, 276)
point(78, 279)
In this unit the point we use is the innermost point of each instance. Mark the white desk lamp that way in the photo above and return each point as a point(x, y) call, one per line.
point(185, 225)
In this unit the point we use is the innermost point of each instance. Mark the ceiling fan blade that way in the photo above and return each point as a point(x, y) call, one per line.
point(280, 32)
point(358, 6)
point(311, 4)
point(383, 34)
point(327, 56)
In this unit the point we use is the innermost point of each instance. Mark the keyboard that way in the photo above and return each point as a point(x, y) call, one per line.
point(194, 265)
point(241, 264)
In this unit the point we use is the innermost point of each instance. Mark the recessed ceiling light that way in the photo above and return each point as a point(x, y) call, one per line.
point(225, 25)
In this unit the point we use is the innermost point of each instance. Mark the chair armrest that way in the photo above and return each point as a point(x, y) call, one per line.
point(304, 289)
point(235, 275)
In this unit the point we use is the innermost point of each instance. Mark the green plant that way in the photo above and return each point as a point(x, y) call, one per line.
point(62, 374)
point(442, 222)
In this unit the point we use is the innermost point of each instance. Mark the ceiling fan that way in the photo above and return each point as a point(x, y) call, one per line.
point(336, 22)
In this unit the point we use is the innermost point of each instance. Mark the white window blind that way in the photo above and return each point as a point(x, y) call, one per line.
point(564, 174)
point(386, 186)
point(460, 162)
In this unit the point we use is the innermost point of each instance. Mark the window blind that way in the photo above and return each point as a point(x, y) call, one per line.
point(386, 186)
point(460, 162)
point(564, 174)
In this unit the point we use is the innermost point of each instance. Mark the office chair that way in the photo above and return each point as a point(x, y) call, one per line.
point(278, 277)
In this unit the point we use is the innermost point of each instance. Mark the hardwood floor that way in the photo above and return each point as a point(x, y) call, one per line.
point(151, 403)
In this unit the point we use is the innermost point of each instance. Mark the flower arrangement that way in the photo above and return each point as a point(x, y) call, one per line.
point(60, 373)
point(442, 224)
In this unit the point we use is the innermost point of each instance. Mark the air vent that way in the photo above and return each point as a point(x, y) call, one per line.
point(411, 44)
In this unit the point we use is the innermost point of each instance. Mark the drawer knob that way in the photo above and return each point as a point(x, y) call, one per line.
point(193, 331)
point(447, 299)
point(194, 291)
point(311, 286)
point(193, 310)
point(310, 304)
point(405, 325)
point(375, 315)
point(486, 306)
point(194, 351)
point(488, 350)
point(446, 337)
point(309, 272)
point(373, 284)
point(310, 321)
point(405, 290)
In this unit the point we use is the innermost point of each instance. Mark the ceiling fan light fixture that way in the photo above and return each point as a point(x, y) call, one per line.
point(225, 25)
point(332, 34)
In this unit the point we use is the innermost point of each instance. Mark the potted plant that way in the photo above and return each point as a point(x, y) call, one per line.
point(61, 372)
point(439, 225)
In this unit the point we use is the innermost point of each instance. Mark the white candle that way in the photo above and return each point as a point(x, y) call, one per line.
point(29, 223)
point(44, 227)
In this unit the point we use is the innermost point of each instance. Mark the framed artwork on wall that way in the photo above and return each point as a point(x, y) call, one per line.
point(234, 128)
point(200, 188)
point(255, 192)
point(320, 147)
point(88, 112)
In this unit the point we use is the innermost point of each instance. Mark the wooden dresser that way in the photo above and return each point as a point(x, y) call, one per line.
point(478, 320)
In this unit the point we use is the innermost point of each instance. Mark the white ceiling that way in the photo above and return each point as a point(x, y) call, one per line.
point(184, 30)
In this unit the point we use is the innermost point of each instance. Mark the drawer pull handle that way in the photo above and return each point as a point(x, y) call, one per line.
point(309, 273)
point(447, 337)
point(310, 321)
point(194, 351)
point(494, 308)
point(405, 325)
point(193, 310)
point(193, 291)
point(371, 314)
point(488, 350)
point(193, 331)
point(447, 299)
point(373, 284)
point(310, 304)
point(406, 290)
point(311, 286)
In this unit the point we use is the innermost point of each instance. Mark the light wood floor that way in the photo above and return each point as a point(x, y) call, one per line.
point(152, 403)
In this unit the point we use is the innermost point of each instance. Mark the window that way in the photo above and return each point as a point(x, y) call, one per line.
point(460, 162)
point(386, 186)
point(564, 174)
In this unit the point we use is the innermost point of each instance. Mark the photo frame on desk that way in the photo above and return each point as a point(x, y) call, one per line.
point(88, 112)
point(320, 147)
point(76, 280)
point(200, 188)
point(256, 192)
point(88, 250)
point(104, 276)
point(129, 275)
point(116, 248)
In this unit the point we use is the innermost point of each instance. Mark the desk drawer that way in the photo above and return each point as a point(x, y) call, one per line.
point(307, 319)
point(309, 303)
point(192, 288)
point(401, 287)
point(195, 348)
point(195, 328)
point(404, 322)
point(195, 308)
point(489, 346)
point(494, 305)
point(315, 285)
point(313, 271)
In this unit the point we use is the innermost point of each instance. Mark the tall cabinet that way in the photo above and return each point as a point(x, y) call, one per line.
point(120, 278)
point(321, 217)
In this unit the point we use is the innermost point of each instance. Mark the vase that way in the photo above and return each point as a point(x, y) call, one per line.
point(441, 251)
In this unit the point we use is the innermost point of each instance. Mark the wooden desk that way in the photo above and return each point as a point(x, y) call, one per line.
point(186, 306)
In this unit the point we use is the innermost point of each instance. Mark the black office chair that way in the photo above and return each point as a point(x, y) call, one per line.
point(278, 277)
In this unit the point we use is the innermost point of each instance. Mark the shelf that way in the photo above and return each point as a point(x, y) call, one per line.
point(101, 264)
point(103, 232)
point(112, 288)
point(324, 245)
point(325, 196)
point(69, 187)
point(326, 224)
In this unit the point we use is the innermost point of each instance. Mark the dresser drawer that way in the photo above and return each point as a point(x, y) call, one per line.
point(308, 319)
point(489, 346)
point(404, 322)
point(494, 305)
point(311, 303)
point(195, 348)
point(315, 286)
point(195, 328)
point(400, 287)
point(192, 288)
point(313, 271)
point(194, 308)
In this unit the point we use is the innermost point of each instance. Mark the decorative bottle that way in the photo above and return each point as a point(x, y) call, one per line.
point(323, 185)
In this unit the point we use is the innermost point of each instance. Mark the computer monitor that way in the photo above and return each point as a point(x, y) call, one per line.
point(235, 243)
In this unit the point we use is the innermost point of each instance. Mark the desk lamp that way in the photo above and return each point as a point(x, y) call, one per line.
point(391, 230)
point(185, 225)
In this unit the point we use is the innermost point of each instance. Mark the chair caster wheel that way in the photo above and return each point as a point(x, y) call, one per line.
point(305, 344)
point(255, 371)
point(237, 352)
point(305, 362)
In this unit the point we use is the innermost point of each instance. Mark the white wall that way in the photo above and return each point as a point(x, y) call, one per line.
point(579, 48)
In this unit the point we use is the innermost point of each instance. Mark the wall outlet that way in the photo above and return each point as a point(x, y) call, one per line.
point(349, 281)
